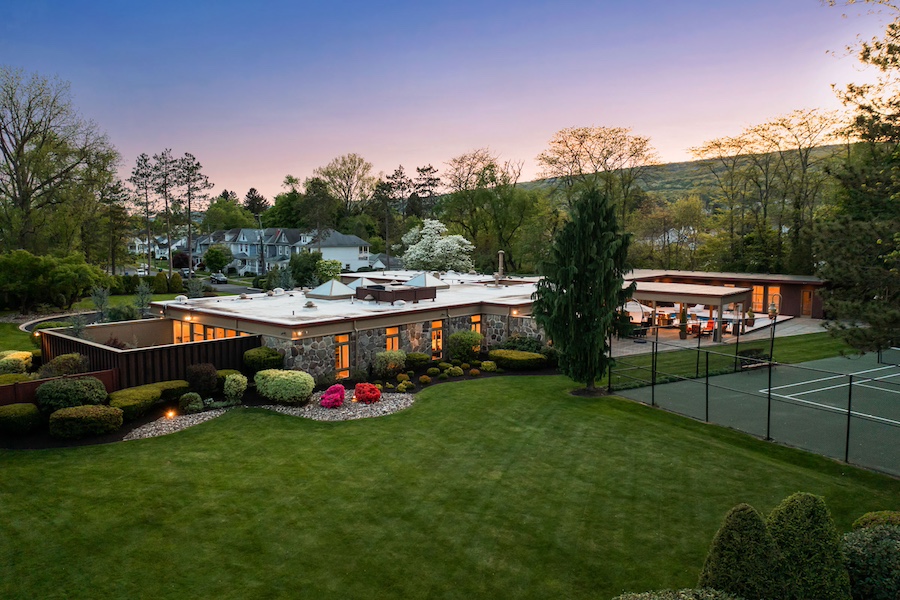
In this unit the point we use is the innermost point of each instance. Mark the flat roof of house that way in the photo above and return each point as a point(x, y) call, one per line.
point(641, 274)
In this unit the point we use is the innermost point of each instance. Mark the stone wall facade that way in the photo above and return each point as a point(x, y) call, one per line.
point(313, 355)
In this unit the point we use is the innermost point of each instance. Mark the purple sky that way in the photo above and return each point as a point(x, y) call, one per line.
point(258, 91)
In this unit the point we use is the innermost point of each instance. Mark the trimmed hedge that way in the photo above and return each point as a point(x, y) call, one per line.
point(19, 419)
point(262, 358)
point(221, 374)
point(880, 517)
point(83, 421)
point(743, 558)
point(872, 558)
point(517, 360)
point(134, 402)
point(65, 364)
point(701, 594)
point(65, 393)
point(284, 387)
point(417, 360)
point(805, 534)
point(11, 378)
point(489, 366)
point(13, 362)
point(234, 388)
point(389, 363)
point(424, 379)
point(172, 390)
point(433, 372)
point(464, 345)
point(191, 403)
point(455, 371)
point(202, 378)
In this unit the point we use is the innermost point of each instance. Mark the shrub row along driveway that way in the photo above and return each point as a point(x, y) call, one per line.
point(507, 487)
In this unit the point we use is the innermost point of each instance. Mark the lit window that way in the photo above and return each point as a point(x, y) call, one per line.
point(437, 339)
point(758, 294)
point(342, 356)
point(476, 323)
point(393, 338)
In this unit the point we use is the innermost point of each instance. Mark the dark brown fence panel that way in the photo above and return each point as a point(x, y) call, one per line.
point(26, 391)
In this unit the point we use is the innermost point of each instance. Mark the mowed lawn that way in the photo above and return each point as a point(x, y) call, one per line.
point(498, 488)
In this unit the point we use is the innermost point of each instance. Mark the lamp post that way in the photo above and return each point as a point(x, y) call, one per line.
point(773, 316)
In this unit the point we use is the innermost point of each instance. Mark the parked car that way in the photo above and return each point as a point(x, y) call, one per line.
point(218, 278)
point(187, 273)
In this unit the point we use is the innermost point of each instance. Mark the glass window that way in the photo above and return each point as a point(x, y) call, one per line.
point(437, 339)
point(774, 296)
point(758, 297)
point(393, 338)
point(342, 356)
point(476, 323)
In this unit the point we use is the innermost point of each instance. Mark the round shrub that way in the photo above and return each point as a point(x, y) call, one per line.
point(65, 364)
point(64, 393)
point(701, 594)
point(388, 363)
point(84, 421)
point(221, 374)
point(872, 558)
point(455, 362)
point(234, 388)
point(517, 360)
point(367, 393)
point(19, 419)
point(804, 533)
point(443, 366)
point(11, 378)
point(488, 366)
point(402, 377)
point(388, 386)
point(15, 361)
point(417, 360)
point(455, 371)
point(380, 387)
point(743, 559)
point(465, 366)
point(333, 397)
point(262, 358)
point(880, 517)
point(176, 284)
point(476, 364)
point(160, 283)
point(190, 403)
point(134, 402)
point(202, 378)
point(424, 379)
point(406, 386)
point(474, 372)
point(284, 387)
point(433, 371)
point(443, 376)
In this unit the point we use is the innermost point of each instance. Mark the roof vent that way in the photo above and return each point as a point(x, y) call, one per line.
point(309, 304)
point(181, 299)
point(278, 291)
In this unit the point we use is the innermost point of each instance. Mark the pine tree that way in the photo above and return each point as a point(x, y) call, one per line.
point(582, 288)
point(190, 177)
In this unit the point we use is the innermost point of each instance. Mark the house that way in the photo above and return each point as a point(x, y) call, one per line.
point(257, 251)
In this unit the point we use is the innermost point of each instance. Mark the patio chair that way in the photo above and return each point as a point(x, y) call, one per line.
point(708, 329)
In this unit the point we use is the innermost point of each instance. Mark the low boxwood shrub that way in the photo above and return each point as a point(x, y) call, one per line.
point(172, 390)
point(805, 534)
point(476, 364)
point(417, 360)
point(389, 363)
point(488, 366)
point(872, 558)
point(455, 362)
point(284, 387)
point(743, 558)
point(84, 421)
point(433, 372)
point(443, 366)
point(221, 374)
point(402, 377)
point(136, 401)
point(202, 378)
point(465, 366)
point(701, 594)
point(520, 342)
point(262, 358)
point(474, 372)
point(333, 397)
point(191, 403)
point(424, 379)
point(455, 371)
point(11, 378)
point(65, 364)
point(234, 388)
point(517, 360)
point(367, 393)
point(406, 386)
point(20, 418)
point(464, 346)
point(443, 376)
point(880, 517)
point(64, 393)
point(15, 362)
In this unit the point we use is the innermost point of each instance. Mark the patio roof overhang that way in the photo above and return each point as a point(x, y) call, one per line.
point(651, 291)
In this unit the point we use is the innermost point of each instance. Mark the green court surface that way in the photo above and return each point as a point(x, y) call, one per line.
point(846, 408)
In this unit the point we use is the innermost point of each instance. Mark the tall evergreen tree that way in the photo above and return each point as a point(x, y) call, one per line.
point(142, 181)
point(582, 289)
point(165, 182)
point(255, 202)
point(194, 183)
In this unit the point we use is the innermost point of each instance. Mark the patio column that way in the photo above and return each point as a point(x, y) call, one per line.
point(721, 324)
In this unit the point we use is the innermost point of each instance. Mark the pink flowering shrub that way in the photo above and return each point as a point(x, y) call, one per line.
point(333, 397)
point(367, 393)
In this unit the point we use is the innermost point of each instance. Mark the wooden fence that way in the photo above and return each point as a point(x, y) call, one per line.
point(26, 391)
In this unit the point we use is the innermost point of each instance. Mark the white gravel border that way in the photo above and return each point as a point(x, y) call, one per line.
point(388, 405)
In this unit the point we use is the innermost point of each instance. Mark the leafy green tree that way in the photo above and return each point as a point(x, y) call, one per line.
point(810, 546)
point(24, 279)
point(303, 268)
point(349, 179)
point(319, 206)
point(226, 213)
point(46, 149)
point(582, 288)
point(743, 558)
point(216, 257)
point(326, 270)
point(70, 280)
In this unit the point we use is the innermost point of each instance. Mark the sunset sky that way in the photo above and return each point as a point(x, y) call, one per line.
point(260, 90)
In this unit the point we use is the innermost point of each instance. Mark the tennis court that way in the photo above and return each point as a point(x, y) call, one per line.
point(844, 408)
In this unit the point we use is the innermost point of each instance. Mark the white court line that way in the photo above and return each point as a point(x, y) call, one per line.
point(839, 410)
point(781, 387)
point(843, 385)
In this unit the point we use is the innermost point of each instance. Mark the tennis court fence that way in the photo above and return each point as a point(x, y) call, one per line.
point(846, 409)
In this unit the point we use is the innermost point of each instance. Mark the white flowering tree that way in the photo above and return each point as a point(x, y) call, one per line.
point(428, 249)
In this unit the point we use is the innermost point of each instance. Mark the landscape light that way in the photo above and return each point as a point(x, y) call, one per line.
point(170, 414)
